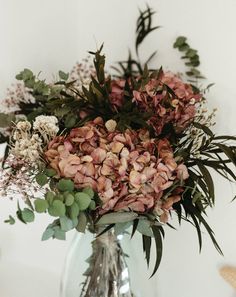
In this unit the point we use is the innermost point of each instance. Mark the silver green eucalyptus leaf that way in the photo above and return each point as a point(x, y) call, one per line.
point(122, 227)
point(117, 217)
point(144, 227)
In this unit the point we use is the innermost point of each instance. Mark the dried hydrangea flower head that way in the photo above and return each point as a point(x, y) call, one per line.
point(121, 167)
point(179, 109)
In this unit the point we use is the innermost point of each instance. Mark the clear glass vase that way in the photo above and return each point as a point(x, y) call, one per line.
point(105, 266)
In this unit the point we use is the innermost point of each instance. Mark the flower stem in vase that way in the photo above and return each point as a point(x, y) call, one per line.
point(107, 274)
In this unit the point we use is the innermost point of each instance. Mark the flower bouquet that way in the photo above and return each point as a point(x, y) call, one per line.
point(108, 152)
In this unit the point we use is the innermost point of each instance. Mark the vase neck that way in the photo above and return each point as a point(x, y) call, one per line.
point(107, 275)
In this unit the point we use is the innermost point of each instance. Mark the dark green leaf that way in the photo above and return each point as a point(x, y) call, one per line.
point(70, 121)
point(147, 242)
point(41, 179)
point(208, 179)
point(63, 75)
point(135, 225)
point(158, 242)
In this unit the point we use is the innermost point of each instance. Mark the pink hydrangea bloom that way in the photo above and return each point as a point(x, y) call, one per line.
point(179, 109)
point(129, 171)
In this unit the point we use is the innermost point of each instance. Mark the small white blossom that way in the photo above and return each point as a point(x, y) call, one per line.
point(23, 125)
point(46, 126)
point(28, 145)
point(192, 101)
point(28, 149)
point(111, 125)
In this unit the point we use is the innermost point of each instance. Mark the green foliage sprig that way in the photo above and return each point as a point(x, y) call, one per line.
point(190, 55)
point(144, 26)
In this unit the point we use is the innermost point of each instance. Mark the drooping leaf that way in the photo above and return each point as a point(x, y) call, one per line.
point(208, 179)
point(27, 215)
point(206, 129)
point(158, 243)
point(147, 242)
point(144, 227)
point(120, 228)
point(82, 222)
point(198, 231)
point(135, 225)
point(107, 228)
point(228, 152)
point(66, 224)
point(48, 233)
point(117, 217)
point(59, 234)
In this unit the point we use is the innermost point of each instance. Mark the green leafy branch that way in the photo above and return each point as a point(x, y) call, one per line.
point(215, 153)
point(144, 26)
point(190, 55)
point(132, 66)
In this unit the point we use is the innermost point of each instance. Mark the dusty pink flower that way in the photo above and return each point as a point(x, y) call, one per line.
point(129, 171)
point(170, 201)
point(177, 109)
point(182, 172)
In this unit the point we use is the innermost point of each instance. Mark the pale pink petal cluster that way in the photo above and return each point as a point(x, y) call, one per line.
point(179, 108)
point(129, 171)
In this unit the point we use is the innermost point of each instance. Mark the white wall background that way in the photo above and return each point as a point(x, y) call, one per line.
point(48, 35)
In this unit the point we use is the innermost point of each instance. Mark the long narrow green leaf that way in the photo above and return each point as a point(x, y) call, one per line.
point(193, 211)
point(135, 225)
point(147, 242)
point(198, 232)
point(227, 150)
point(158, 242)
point(209, 181)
